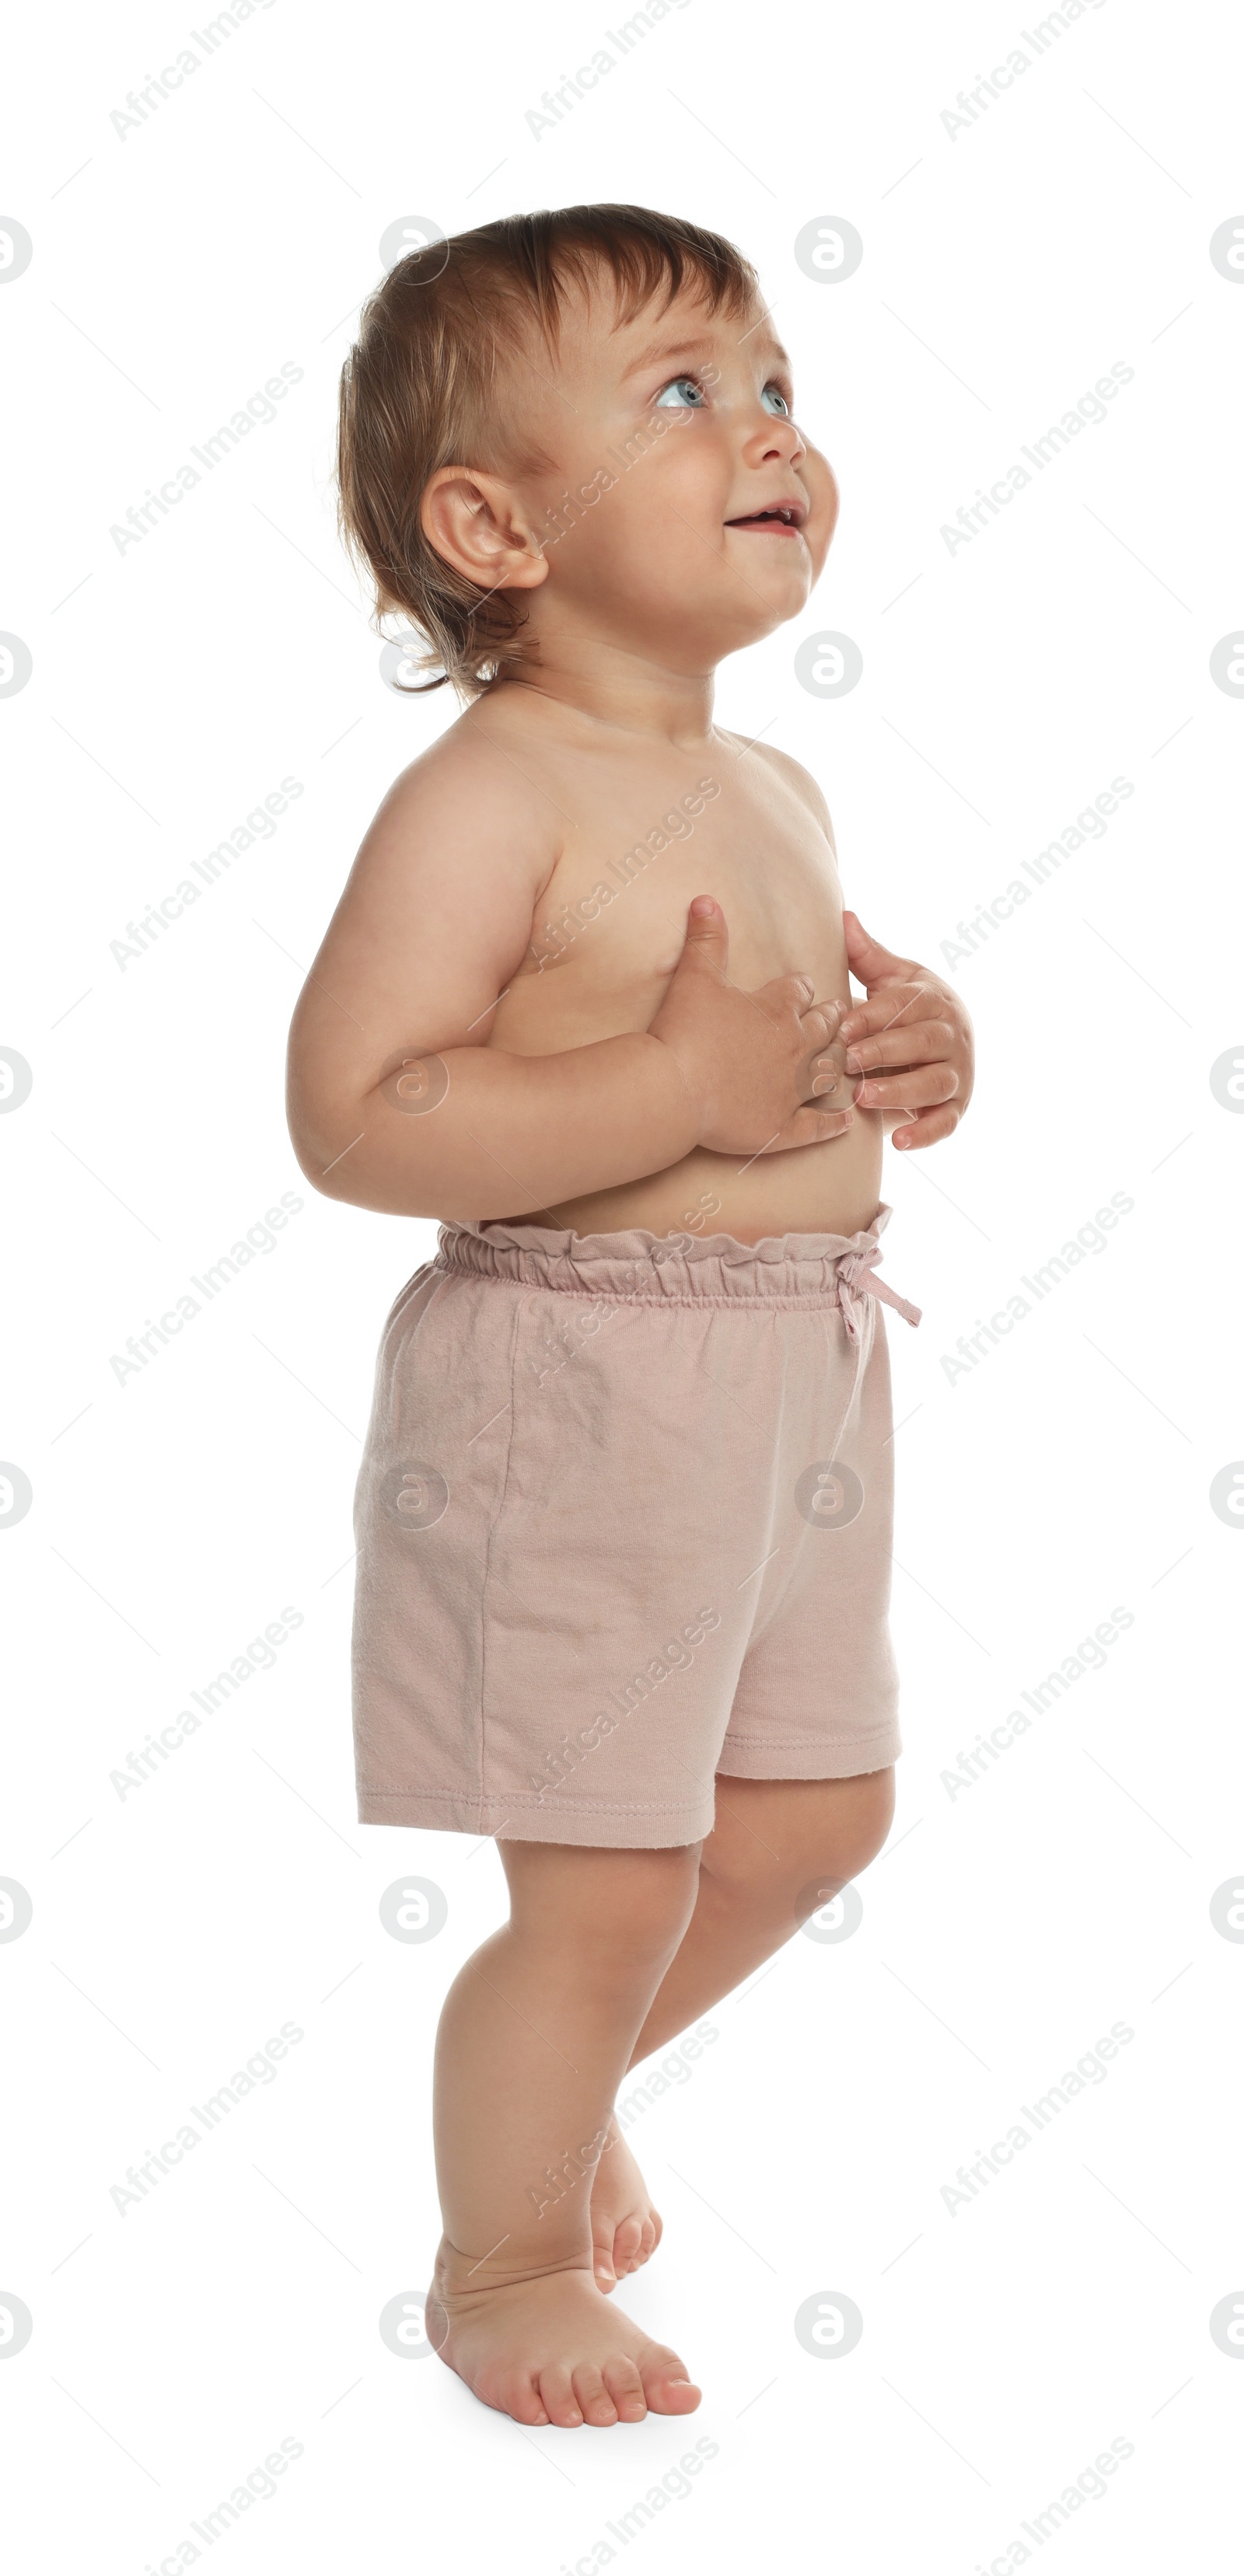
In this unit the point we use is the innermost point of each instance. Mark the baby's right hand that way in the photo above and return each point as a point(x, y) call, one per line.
point(756, 1064)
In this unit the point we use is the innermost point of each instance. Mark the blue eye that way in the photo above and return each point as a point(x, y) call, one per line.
point(682, 392)
point(774, 400)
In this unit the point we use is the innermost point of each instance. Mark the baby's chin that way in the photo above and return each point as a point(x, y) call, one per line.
point(770, 580)
point(690, 616)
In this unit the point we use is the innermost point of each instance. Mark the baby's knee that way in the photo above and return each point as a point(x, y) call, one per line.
point(622, 1912)
point(841, 1834)
point(805, 1833)
point(867, 1826)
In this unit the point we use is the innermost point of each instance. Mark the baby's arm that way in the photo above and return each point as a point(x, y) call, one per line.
point(435, 919)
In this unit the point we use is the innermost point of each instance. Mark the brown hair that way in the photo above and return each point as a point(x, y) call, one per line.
point(423, 386)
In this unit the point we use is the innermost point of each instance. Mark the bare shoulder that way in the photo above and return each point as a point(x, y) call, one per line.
point(801, 781)
point(793, 776)
point(468, 803)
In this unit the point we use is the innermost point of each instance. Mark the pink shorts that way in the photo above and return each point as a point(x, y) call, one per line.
point(623, 1523)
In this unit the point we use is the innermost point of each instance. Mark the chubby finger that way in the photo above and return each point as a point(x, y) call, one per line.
point(810, 1127)
point(929, 1129)
point(891, 1003)
point(818, 1025)
point(867, 955)
point(922, 1086)
point(777, 1000)
point(786, 989)
point(916, 1042)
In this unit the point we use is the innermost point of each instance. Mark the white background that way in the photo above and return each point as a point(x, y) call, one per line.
point(1007, 1927)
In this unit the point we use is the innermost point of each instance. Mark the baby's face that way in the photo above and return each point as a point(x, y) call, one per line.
point(699, 517)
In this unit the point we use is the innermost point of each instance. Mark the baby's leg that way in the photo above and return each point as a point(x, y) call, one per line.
point(774, 1842)
point(536, 2033)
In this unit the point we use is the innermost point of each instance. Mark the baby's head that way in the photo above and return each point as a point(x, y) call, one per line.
point(561, 433)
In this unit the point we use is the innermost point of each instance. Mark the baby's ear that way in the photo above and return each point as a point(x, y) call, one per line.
point(471, 520)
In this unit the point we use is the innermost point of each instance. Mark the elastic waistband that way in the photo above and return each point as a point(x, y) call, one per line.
point(637, 1268)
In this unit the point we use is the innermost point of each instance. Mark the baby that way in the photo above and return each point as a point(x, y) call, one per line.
point(586, 998)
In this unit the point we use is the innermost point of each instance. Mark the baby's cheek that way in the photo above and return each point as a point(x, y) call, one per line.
point(818, 475)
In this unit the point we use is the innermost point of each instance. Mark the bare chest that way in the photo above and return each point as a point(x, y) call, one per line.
point(609, 927)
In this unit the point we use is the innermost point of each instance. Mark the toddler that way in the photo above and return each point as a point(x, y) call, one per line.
point(624, 1512)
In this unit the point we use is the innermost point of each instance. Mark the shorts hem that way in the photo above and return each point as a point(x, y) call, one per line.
point(754, 1758)
point(525, 1819)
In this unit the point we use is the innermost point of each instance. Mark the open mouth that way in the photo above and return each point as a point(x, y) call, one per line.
point(783, 520)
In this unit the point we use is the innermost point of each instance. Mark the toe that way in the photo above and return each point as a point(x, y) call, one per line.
point(557, 2392)
point(603, 2266)
point(514, 2393)
point(626, 2388)
point(594, 2399)
point(666, 2385)
point(627, 2242)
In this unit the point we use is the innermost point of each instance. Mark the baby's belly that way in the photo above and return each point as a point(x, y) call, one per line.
point(815, 1189)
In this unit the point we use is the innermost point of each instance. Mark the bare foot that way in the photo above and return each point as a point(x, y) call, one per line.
point(550, 2350)
point(626, 2228)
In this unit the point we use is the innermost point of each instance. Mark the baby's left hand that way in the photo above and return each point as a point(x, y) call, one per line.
point(917, 1025)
